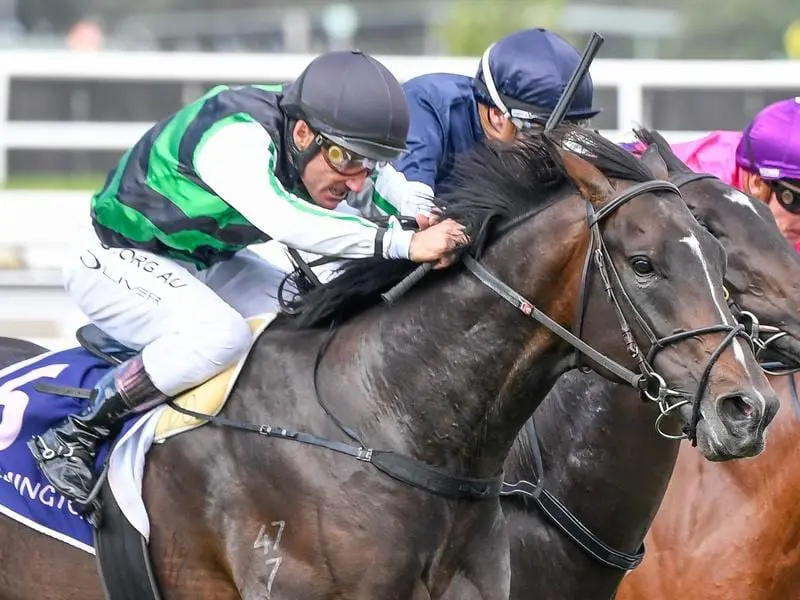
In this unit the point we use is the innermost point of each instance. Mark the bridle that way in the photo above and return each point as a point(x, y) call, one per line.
point(555, 511)
point(650, 385)
point(762, 336)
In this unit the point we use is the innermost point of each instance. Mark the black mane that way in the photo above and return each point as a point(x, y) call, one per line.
point(494, 183)
point(653, 138)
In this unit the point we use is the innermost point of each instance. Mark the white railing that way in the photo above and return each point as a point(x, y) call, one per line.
point(35, 226)
point(629, 78)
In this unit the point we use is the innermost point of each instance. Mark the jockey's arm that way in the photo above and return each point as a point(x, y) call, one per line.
point(425, 141)
point(389, 193)
point(237, 162)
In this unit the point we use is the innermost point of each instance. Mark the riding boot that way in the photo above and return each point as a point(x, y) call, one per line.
point(66, 453)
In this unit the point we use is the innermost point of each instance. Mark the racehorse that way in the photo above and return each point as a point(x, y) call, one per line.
point(742, 545)
point(602, 458)
point(443, 380)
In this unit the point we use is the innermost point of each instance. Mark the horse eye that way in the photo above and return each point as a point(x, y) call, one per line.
point(642, 266)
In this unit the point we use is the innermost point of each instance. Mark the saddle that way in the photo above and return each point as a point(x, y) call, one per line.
point(207, 398)
point(97, 343)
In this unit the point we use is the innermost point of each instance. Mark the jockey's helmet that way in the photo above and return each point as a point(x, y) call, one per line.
point(524, 74)
point(770, 144)
point(352, 100)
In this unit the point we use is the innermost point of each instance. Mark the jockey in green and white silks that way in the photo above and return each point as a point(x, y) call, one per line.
point(163, 266)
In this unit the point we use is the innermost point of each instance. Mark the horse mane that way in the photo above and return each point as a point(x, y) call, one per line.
point(653, 138)
point(493, 183)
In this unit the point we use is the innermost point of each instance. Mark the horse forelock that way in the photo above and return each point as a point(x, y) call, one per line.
point(492, 184)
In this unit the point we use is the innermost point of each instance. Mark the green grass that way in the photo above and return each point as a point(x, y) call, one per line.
point(57, 181)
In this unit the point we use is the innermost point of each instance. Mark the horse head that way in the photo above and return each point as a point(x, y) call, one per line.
point(762, 276)
point(664, 277)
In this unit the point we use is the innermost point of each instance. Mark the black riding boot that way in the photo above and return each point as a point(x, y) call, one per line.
point(66, 453)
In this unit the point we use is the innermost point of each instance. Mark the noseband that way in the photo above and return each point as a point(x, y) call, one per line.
point(651, 386)
point(763, 337)
point(554, 510)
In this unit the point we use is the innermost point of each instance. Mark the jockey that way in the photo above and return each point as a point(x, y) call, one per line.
point(763, 161)
point(164, 268)
point(518, 83)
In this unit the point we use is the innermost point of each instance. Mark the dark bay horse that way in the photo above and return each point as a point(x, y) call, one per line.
point(745, 544)
point(448, 376)
point(603, 459)
point(13, 351)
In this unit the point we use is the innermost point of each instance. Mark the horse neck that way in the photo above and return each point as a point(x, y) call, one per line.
point(601, 461)
point(452, 373)
point(771, 482)
point(727, 507)
point(611, 451)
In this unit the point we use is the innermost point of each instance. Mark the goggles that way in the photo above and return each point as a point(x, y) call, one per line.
point(538, 122)
point(344, 161)
point(788, 194)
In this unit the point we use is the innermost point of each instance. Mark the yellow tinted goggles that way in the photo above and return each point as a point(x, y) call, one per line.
point(343, 160)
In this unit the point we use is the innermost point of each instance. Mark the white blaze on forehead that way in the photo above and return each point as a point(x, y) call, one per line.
point(741, 199)
point(694, 245)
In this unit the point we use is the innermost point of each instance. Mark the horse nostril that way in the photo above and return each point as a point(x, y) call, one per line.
point(736, 407)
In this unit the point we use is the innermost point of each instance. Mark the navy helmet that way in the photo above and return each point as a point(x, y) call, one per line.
point(524, 74)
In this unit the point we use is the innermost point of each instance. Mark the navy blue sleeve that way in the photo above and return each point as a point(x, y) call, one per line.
point(426, 140)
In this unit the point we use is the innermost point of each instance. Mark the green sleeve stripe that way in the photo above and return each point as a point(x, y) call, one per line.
point(380, 201)
point(384, 205)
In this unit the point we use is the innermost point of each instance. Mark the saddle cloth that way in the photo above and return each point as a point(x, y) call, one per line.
point(25, 494)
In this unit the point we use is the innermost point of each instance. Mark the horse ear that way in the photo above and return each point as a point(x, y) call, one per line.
point(652, 158)
point(591, 183)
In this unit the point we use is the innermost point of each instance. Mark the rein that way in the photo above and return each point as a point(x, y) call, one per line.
point(557, 513)
point(434, 479)
point(650, 385)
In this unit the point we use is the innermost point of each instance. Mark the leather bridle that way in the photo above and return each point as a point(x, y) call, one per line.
point(647, 381)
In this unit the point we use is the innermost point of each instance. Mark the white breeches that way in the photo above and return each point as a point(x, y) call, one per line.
point(190, 325)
